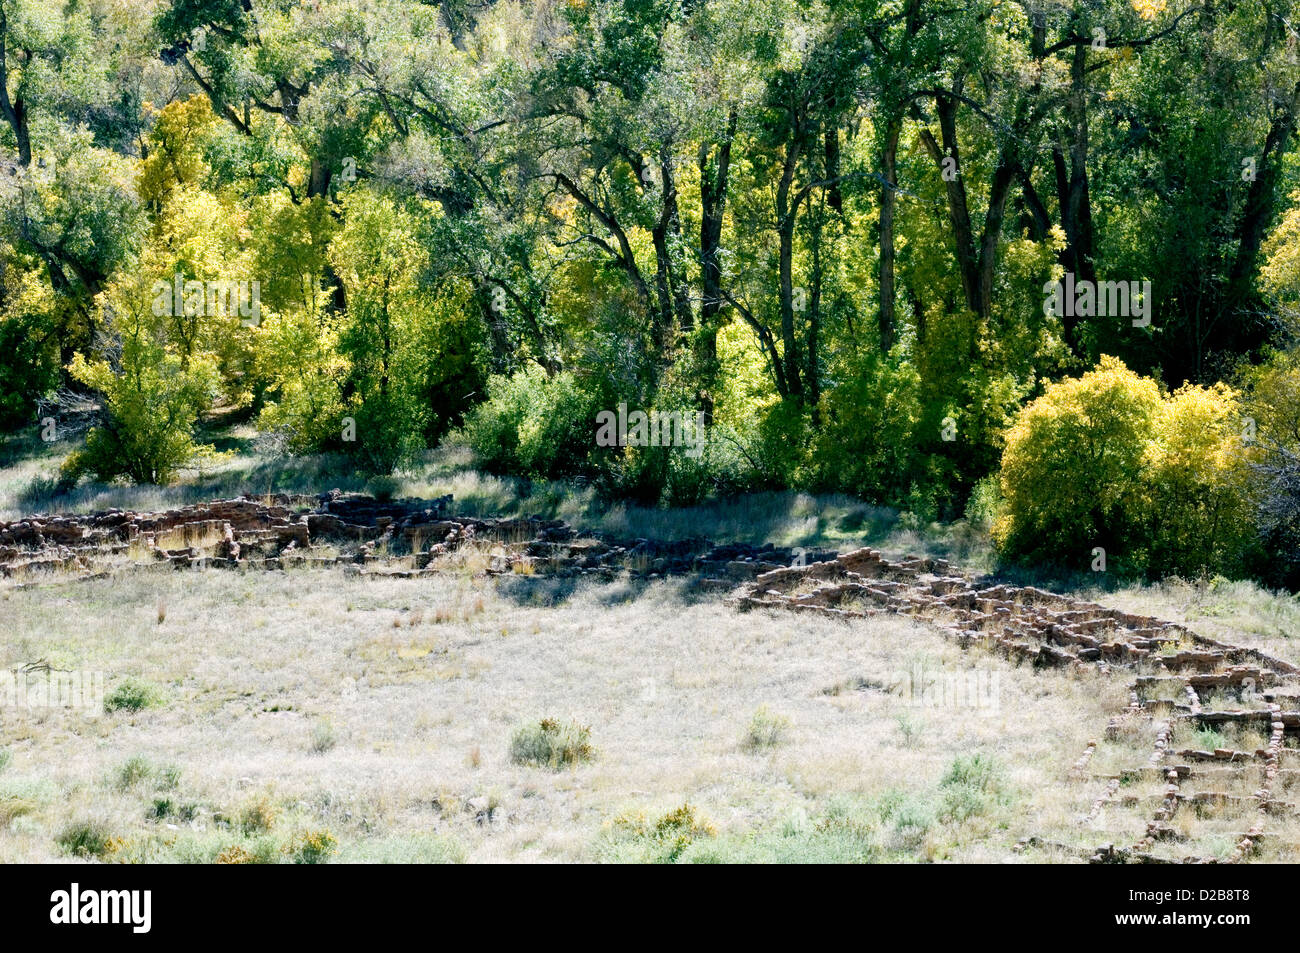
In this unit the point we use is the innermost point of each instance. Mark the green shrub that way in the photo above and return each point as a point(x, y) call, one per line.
point(323, 736)
point(1201, 509)
point(977, 771)
point(153, 399)
point(534, 425)
point(551, 744)
point(1070, 470)
point(86, 838)
point(31, 366)
point(665, 839)
point(311, 847)
point(868, 445)
point(132, 695)
point(765, 730)
point(132, 772)
point(969, 787)
point(984, 503)
point(169, 778)
point(1209, 739)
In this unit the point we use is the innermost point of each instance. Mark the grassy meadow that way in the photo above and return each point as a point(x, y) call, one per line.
point(311, 715)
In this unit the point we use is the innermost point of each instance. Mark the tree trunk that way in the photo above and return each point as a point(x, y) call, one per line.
point(812, 372)
point(713, 204)
point(785, 217)
point(15, 109)
point(888, 321)
point(958, 209)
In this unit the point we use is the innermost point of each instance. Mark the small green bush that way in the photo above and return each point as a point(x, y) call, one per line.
point(536, 426)
point(968, 788)
point(766, 730)
point(86, 838)
point(1209, 739)
point(311, 847)
point(169, 778)
point(551, 744)
point(153, 400)
point(133, 695)
point(323, 736)
point(132, 772)
point(977, 771)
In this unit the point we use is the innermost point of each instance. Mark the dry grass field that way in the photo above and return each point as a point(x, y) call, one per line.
point(314, 715)
point(286, 712)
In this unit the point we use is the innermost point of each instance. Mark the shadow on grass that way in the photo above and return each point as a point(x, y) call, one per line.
point(257, 477)
point(537, 591)
point(22, 446)
point(551, 591)
point(1058, 579)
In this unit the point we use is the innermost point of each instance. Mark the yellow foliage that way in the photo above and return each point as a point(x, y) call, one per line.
point(175, 158)
point(1149, 9)
point(1161, 482)
point(1274, 404)
point(1280, 272)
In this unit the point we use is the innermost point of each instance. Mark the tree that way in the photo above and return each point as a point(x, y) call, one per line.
point(152, 398)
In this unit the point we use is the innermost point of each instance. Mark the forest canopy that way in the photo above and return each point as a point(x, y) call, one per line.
point(1035, 262)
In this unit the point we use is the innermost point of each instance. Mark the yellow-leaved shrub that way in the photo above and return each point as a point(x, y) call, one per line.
point(1201, 510)
point(1108, 460)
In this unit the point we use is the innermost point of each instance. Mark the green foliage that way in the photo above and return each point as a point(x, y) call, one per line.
point(985, 502)
point(86, 839)
point(151, 410)
point(311, 847)
point(766, 730)
point(1209, 739)
point(323, 736)
point(133, 695)
point(153, 394)
point(680, 206)
point(32, 370)
point(1072, 464)
point(1201, 512)
point(551, 744)
point(535, 424)
point(132, 772)
point(391, 326)
point(1272, 427)
point(665, 839)
point(869, 444)
point(968, 788)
